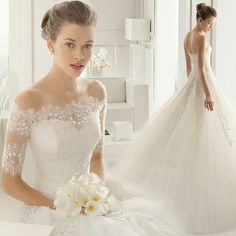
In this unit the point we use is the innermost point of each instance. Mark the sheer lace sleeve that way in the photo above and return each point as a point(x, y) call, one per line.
point(102, 117)
point(16, 140)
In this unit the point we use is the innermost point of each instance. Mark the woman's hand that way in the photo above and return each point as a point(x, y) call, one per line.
point(209, 103)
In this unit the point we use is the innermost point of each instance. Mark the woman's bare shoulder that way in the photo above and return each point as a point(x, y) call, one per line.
point(187, 36)
point(201, 41)
point(195, 39)
point(96, 89)
point(30, 98)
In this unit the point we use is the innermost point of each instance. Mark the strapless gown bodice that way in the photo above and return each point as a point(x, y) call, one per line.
point(63, 147)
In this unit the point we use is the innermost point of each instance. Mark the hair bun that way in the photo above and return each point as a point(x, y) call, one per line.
point(201, 6)
point(73, 12)
point(45, 19)
point(44, 32)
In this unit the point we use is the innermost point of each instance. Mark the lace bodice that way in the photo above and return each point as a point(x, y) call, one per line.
point(62, 140)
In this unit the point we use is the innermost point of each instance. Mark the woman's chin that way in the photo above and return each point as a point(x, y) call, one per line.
point(74, 74)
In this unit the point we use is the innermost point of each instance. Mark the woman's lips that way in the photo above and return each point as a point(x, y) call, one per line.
point(77, 67)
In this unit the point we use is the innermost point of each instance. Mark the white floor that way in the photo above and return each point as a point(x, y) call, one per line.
point(9, 208)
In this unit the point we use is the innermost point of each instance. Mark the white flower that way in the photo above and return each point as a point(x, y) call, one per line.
point(99, 62)
point(102, 53)
point(89, 178)
point(85, 194)
point(94, 208)
point(66, 206)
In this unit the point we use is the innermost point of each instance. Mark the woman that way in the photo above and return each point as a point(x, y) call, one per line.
point(185, 156)
point(62, 118)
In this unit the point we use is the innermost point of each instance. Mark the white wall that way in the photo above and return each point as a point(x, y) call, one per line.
point(4, 26)
point(184, 26)
point(162, 51)
point(226, 48)
point(20, 45)
point(148, 11)
point(166, 46)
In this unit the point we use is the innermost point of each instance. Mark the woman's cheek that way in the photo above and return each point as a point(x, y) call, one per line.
point(64, 53)
point(89, 56)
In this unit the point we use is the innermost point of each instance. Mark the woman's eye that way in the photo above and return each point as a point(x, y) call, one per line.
point(70, 45)
point(88, 46)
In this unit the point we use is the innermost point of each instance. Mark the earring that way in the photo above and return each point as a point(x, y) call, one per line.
point(51, 50)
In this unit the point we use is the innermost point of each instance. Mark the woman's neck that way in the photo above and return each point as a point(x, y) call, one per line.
point(198, 29)
point(61, 81)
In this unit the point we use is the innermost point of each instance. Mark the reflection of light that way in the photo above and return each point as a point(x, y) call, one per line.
point(4, 26)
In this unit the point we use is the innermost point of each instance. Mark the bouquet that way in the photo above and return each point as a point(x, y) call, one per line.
point(99, 62)
point(85, 194)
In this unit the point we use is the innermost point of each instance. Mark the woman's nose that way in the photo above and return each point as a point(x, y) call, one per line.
point(79, 55)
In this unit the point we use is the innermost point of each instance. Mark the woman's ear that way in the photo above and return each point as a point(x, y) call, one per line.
point(50, 45)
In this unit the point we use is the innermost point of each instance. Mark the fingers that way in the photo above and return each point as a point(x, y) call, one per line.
point(209, 105)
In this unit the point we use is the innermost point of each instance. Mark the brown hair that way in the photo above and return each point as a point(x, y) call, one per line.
point(75, 12)
point(205, 11)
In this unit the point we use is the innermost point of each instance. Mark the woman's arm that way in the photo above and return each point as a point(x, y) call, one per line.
point(201, 64)
point(97, 165)
point(17, 188)
point(98, 90)
point(201, 67)
point(16, 140)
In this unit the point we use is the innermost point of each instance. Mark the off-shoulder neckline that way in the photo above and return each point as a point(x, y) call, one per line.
point(72, 104)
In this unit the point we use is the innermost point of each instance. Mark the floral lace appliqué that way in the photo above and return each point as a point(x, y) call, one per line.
point(225, 126)
point(13, 158)
point(21, 121)
point(76, 113)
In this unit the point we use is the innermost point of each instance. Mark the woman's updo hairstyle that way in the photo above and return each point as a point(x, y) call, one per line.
point(205, 11)
point(74, 12)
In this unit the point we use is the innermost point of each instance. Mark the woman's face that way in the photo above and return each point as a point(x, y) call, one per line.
point(73, 48)
point(207, 24)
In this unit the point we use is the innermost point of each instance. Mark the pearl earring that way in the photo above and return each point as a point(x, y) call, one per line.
point(51, 50)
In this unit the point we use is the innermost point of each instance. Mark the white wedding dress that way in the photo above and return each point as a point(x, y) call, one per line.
point(62, 140)
point(185, 157)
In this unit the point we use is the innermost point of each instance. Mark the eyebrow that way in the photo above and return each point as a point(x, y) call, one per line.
point(89, 41)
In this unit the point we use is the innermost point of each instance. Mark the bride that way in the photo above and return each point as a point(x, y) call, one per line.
point(61, 117)
point(185, 157)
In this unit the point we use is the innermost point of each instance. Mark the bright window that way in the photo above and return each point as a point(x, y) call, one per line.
point(4, 42)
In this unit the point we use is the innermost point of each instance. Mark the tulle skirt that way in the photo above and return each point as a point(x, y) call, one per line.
point(185, 159)
point(133, 218)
